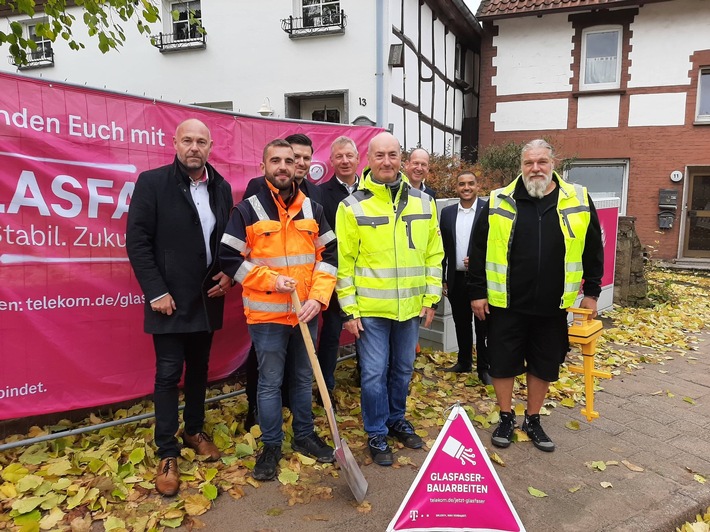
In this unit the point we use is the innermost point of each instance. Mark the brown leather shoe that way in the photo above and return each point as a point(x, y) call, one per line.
point(167, 481)
point(202, 444)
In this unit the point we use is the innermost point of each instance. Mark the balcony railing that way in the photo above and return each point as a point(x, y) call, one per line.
point(173, 42)
point(36, 59)
point(318, 25)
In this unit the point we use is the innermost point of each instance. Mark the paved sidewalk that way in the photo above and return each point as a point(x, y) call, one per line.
point(667, 436)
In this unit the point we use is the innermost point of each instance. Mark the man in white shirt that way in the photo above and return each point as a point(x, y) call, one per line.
point(457, 222)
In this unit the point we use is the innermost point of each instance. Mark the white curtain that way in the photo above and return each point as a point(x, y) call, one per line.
point(600, 70)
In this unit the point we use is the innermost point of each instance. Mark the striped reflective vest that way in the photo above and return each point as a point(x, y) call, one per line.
point(389, 252)
point(266, 238)
point(574, 215)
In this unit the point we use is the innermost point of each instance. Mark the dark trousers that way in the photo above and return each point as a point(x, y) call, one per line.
point(330, 341)
point(173, 352)
point(463, 315)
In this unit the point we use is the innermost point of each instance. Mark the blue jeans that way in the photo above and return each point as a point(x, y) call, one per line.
point(273, 342)
point(387, 352)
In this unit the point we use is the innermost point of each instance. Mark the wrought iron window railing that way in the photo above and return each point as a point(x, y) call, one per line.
point(35, 59)
point(315, 25)
point(180, 40)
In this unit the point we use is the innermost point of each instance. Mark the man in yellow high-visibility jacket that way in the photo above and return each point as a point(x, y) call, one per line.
point(537, 239)
point(389, 279)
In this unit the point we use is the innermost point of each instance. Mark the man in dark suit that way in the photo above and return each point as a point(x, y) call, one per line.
point(345, 159)
point(177, 215)
point(457, 222)
point(303, 150)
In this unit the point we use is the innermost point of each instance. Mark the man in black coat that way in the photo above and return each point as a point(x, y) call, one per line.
point(457, 223)
point(345, 159)
point(177, 215)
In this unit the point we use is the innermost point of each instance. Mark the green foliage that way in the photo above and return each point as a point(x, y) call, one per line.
point(501, 162)
point(101, 17)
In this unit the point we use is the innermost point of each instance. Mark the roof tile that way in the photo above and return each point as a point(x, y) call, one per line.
point(491, 9)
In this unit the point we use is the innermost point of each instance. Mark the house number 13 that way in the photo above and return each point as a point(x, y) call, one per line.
point(362, 102)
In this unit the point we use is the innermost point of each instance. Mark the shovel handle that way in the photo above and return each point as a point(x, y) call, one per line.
point(322, 388)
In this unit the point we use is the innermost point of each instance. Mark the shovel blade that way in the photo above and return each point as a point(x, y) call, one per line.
point(351, 471)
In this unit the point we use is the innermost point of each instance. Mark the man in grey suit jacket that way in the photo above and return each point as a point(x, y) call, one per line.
point(177, 215)
point(457, 222)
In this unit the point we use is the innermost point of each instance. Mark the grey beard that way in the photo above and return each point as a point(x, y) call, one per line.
point(536, 188)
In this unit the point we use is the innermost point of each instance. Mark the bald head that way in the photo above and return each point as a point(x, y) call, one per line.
point(193, 143)
point(384, 156)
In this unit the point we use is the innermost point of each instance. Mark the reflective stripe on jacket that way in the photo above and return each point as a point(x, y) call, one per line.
point(266, 238)
point(574, 216)
point(389, 252)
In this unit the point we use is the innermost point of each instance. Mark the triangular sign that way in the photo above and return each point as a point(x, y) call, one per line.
point(457, 488)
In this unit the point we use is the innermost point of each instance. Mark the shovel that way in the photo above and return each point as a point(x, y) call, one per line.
point(348, 465)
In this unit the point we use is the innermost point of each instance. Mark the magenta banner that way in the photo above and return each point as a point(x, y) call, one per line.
point(71, 311)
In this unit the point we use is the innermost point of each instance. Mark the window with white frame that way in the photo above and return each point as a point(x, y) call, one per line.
point(43, 51)
point(600, 66)
point(703, 112)
point(187, 19)
point(605, 178)
point(320, 13)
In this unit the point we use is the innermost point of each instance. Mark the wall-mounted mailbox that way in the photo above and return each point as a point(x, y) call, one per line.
point(665, 219)
point(668, 198)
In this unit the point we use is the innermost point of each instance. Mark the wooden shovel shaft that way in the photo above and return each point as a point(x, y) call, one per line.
point(322, 388)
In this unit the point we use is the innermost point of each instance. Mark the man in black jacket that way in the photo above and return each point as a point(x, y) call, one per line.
point(177, 215)
point(345, 159)
point(457, 223)
point(535, 242)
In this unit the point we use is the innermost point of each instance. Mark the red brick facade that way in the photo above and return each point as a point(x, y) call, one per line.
point(653, 152)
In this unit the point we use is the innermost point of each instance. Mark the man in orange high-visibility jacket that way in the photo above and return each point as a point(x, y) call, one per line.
point(278, 241)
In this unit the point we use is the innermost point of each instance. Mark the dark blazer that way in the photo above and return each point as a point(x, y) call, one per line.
point(167, 251)
point(332, 193)
point(447, 225)
point(428, 190)
point(257, 184)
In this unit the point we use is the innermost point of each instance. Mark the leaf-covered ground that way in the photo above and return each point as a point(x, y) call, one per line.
point(104, 479)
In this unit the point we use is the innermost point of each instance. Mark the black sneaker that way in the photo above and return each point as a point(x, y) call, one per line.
point(404, 432)
point(532, 427)
point(503, 434)
point(314, 447)
point(380, 451)
point(265, 468)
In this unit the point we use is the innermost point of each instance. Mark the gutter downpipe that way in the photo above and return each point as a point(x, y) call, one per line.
point(380, 63)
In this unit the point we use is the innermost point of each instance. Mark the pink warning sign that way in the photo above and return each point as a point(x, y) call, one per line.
point(457, 487)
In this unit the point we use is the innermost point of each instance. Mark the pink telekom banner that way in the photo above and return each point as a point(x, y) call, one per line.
point(609, 222)
point(457, 488)
point(71, 327)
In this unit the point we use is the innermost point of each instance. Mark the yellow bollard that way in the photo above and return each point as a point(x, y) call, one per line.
point(585, 331)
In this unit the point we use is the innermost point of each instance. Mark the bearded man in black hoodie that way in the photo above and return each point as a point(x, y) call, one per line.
point(535, 242)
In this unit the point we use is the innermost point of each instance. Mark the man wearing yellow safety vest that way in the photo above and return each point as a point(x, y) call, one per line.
point(276, 242)
point(389, 280)
point(537, 239)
